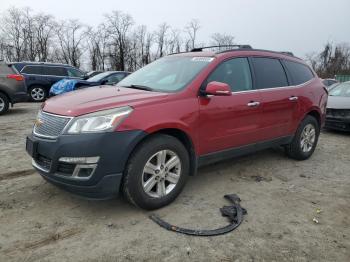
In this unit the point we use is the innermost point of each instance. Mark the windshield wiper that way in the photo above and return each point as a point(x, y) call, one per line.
point(141, 87)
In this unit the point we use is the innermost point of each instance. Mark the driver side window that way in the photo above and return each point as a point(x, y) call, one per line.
point(234, 72)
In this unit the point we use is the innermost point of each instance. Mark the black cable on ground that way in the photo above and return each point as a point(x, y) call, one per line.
point(234, 213)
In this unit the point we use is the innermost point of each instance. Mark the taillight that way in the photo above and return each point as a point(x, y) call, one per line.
point(16, 77)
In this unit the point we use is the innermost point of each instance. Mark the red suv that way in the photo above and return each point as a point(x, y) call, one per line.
point(145, 136)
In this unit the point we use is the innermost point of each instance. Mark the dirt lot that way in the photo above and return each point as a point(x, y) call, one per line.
point(39, 222)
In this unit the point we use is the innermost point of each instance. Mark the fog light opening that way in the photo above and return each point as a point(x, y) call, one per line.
point(85, 172)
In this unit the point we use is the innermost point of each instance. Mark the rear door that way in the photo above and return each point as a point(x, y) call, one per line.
point(33, 74)
point(279, 101)
point(53, 74)
point(230, 121)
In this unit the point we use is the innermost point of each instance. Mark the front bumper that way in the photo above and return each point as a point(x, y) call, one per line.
point(112, 148)
point(338, 123)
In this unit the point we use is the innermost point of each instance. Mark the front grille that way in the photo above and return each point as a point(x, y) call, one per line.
point(48, 125)
point(43, 162)
point(338, 112)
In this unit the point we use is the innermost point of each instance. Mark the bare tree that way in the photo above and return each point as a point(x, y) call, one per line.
point(148, 45)
point(70, 36)
point(175, 41)
point(119, 26)
point(332, 60)
point(219, 39)
point(98, 41)
point(192, 29)
point(12, 31)
point(44, 32)
point(161, 38)
point(29, 37)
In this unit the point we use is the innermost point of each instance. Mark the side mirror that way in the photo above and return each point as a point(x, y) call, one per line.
point(85, 77)
point(218, 89)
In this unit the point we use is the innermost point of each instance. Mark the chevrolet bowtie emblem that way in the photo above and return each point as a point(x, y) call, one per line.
point(38, 122)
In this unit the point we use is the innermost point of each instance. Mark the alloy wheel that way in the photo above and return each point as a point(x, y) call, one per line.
point(161, 173)
point(308, 138)
point(2, 104)
point(37, 93)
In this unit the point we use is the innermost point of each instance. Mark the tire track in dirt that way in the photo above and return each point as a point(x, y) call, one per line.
point(16, 174)
point(48, 240)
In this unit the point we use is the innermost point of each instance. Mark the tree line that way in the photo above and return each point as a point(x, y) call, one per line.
point(333, 60)
point(115, 44)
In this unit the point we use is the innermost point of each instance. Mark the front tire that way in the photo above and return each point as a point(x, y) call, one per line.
point(4, 104)
point(156, 172)
point(305, 139)
point(37, 94)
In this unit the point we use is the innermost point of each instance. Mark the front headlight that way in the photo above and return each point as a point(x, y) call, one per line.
point(102, 121)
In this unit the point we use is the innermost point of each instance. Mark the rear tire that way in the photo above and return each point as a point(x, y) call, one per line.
point(4, 104)
point(305, 139)
point(37, 94)
point(156, 172)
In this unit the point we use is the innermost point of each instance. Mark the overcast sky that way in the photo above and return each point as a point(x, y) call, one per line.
point(300, 26)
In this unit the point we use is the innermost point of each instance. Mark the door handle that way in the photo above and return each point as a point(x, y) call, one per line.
point(253, 104)
point(293, 98)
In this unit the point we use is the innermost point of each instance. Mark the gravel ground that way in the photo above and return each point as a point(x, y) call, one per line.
point(39, 222)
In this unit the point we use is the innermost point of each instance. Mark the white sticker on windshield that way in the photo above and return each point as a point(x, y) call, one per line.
point(203, 59)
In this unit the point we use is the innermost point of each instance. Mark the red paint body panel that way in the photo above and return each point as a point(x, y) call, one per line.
point(213, 123)
point(226, 122)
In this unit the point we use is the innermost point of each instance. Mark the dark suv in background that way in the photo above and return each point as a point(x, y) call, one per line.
point(39, 77)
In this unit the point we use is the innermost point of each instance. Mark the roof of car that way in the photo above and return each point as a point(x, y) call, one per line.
point(38, 63)
point(235, 48)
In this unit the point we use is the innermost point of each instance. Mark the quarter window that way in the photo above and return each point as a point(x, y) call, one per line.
point(269, 73)
point(54, 71)
point(299, 73)
point(32, 70)
point(235, 73)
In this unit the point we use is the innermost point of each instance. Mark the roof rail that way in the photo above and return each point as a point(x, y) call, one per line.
point(287, 53)
point(200, 49)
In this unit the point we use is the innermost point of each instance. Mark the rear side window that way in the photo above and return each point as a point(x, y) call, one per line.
point(235, 73)
point(5, 69)
point(299, 73)
point(33, 70)
point(269, 73)
point(54, 71)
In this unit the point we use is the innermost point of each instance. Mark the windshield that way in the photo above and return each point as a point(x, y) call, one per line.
point(341, 90)
point(168, 74)
point(98, 77)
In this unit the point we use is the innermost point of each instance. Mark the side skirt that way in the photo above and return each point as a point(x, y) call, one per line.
point(243, 150)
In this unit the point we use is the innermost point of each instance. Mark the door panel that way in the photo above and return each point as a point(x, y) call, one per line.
point(279, 110)
point(279, 102)
point(228, 121)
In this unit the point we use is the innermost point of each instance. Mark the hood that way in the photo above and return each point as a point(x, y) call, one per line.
point(98, 98)
point(338, 102)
